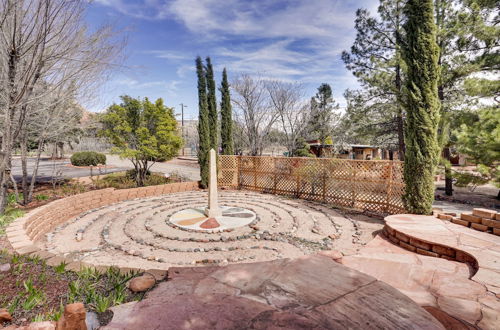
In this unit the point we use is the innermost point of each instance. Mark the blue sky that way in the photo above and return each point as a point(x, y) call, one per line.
point(292, 40)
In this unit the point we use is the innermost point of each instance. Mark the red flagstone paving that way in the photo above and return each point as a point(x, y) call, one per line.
point(483, 247)
point(312, 292)
point(468, 294)
point(210, 224)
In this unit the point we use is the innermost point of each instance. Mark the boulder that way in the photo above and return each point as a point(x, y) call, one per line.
point(73, 318)
point(45, 325)
point(142, 283)
point(92, 321)
point(5, 316)
point(4, 268)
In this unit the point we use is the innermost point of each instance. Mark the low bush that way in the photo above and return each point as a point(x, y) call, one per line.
point(125, 181)
point(88, 158)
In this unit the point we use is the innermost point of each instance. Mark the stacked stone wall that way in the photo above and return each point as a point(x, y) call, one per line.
point(23, 232)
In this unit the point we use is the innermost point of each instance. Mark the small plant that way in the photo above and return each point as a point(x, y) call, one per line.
point(101, 304)
point(34, 296)
point(15, 259)
point(72, 189)
point(55, 315)
point(88, 158)
point(8, 216)
point(74, 291)
point(14, 304)
point(61, 268)
point(41, 197)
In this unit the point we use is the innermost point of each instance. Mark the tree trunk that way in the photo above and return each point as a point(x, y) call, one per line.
point(5, 165)
point(448, 178)
point(24, 166)
point(399, 117)
point(35, 170)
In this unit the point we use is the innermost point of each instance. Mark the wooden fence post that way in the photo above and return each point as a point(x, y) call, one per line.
point(255, 173)
point(275, 175)
point(237, 174)
point(353, 185)
point(297, 189)
point(389, 188)
point(323, 170)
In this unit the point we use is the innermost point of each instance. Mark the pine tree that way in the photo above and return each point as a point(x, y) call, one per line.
point(375, 113)
point(421, 54)
point(226, 124)
point(467, 36)
point(203, 123)
point(212, 107)
point(322, 113)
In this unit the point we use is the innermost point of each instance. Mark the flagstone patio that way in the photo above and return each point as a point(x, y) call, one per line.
point(311, 292)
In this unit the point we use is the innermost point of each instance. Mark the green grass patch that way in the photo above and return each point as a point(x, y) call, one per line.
point(11, 213)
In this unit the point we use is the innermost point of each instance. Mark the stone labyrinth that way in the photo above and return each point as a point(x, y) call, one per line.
point(146, 233)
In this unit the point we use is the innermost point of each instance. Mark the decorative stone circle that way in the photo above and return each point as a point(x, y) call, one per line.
point(195, 219)
point(146, 233)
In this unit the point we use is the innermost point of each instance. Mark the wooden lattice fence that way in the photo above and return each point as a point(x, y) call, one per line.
point(371, 185)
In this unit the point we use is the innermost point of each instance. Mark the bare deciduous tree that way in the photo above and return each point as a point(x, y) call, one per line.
point(253, 111)
point(287, 100)
point(45, 45)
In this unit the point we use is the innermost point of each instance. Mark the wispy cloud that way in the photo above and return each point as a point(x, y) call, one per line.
point(295, 40)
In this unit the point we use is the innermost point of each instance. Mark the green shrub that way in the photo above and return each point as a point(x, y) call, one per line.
point(131, 174)
point(88, 158)
point(125, 180)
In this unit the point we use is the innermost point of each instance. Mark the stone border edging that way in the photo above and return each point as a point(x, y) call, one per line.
point(429, 249)
point(408, 239)
point(23, 232)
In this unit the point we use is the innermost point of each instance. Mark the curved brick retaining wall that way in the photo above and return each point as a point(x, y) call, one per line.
point(428, 248)
point(23, 232)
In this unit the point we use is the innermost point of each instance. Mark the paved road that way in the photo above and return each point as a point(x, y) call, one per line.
point(47, 169)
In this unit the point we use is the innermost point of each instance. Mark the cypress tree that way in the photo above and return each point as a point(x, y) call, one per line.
point(226, 124)
point(203, 124)
point(212, 107)
point(421, 54)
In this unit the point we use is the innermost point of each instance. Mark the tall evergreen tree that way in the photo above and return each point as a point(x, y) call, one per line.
point(226, 125)
point(203, 123)
point(468, 36)
point(421, 55)
point(375, 114)
point(323, 115)
point(212, 107)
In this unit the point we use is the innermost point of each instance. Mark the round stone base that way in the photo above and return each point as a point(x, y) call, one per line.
point(194, 219)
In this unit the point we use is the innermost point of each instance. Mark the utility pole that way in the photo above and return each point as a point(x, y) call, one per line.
point(182, 124)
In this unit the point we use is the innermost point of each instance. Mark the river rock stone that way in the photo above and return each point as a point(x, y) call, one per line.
point(142, 283)
point(92, 321)
point(4, 268)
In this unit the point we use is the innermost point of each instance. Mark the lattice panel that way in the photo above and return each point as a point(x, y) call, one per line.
point(371, 185)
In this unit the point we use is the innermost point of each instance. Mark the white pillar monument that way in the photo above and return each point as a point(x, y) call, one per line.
point(213, 207)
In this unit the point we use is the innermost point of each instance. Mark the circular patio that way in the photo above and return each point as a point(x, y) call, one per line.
point(164, 231)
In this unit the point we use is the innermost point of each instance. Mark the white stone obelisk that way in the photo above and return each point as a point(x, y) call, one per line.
point(213, 206)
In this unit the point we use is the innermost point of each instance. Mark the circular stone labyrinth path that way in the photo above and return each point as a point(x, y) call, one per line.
point(142, 233)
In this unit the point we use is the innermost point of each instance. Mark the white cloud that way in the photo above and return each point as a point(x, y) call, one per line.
point(295, 40)
point(270, 19)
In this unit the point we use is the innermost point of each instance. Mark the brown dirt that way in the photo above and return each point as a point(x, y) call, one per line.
point(53, 285)
point(472, 198)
